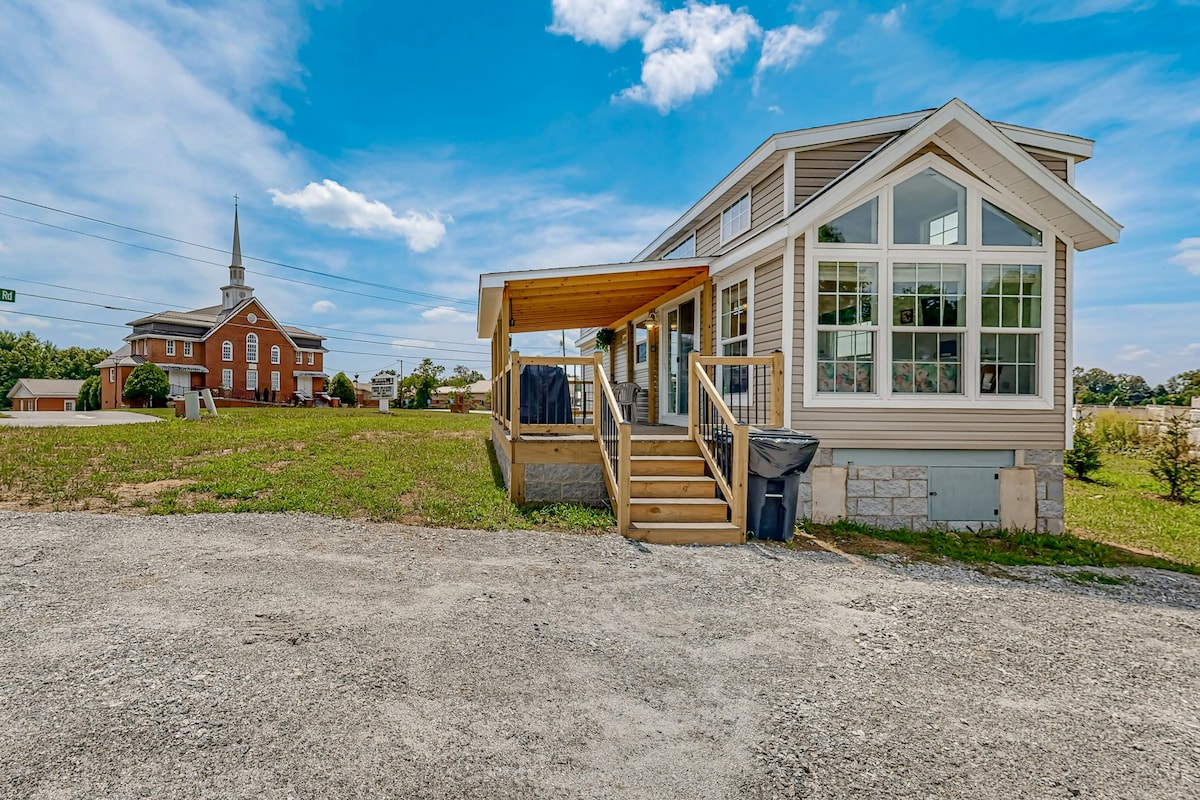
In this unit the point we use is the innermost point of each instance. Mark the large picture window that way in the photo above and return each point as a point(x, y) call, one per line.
point(927, 292)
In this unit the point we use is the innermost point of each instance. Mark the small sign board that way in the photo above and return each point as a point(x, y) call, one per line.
point(383, 387)
point(8, 295)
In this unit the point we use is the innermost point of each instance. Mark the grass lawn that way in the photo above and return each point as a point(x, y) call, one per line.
point(411, 466)
point(1124, 506)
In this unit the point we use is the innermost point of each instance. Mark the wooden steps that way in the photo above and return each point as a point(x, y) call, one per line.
point(673, 498)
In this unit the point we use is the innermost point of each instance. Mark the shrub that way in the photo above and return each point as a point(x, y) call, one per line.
point(341, 388)
point(1115, 432)
point(1172, 461)
point(147, 383)
point(1084, 458)
point(89, 394)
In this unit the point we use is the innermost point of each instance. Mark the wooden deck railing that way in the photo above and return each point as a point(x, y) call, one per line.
point(614, 433)
point(506, 396)
point(751, 387)
point(724, 440)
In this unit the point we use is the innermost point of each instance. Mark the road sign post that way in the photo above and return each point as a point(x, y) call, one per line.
point(383, 387)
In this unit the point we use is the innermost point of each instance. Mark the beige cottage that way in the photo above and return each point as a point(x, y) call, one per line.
point(899, 287)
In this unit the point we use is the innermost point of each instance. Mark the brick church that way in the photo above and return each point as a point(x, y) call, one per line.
point(236, 349)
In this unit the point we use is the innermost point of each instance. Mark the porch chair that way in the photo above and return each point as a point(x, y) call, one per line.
point(627, 393)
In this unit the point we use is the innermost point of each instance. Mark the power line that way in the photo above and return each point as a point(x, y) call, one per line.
point(237, 325)
point(482, 347)
point(213, 263)
point(222, 250)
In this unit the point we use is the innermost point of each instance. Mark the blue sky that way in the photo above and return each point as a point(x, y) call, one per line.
point(415, 145)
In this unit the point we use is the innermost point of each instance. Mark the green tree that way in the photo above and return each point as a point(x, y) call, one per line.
point(342, 388)
point(463, 376)
point(23, 355)
point(1084, 457)
point(423, 380)
point(147, 383)
point(1172, 461)
point(89, 394)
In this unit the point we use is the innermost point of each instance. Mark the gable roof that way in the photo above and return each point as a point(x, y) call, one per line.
point(46, 387)
point(209, 319)
point(771, 153)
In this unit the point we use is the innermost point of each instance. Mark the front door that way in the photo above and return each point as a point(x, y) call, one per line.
point(681, 334)
point(304, 386)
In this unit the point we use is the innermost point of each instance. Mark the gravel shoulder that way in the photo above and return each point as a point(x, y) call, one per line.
point(291, 656)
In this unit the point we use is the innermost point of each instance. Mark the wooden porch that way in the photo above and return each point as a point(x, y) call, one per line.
point(666, 484)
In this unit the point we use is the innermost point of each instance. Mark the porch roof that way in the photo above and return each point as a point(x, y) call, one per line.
point(579, 297)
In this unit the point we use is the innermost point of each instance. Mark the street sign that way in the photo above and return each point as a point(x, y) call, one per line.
point(8, 295)
point(383, 387)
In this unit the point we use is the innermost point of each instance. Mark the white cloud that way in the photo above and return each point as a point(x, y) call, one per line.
point(332, 204)
point(687, 50)
point(783, 47)
point(1132, 352)
point(1188, 256)
point(609, 23)
point(1190, 349)
point(892, 19)
point(1062, 10)
point(446, 314)
point(323, 306)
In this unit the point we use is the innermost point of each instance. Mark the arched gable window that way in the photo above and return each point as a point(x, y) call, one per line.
point(227, 351)
point(274, 354)
point(251, 348)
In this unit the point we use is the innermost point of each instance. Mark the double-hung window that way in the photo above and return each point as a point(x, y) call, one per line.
point(227, 351)
point(735, 336)
point(299, 357)
point(251, 379)
point(928, 292)
point(170, 347)
point(251, 348)
point(735, 220)
point(274, 354)
point(187, 349)
point(227, 378)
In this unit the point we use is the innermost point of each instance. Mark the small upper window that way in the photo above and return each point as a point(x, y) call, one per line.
point(187, 349)
point(736, 219)
point(685, 249)
point(252, 348)
point(929, 208)
point(1003, 229)
point(274, 354)
point(640, 344)
point(227, 351)
point(299, 357)
point(859, 225)
point(312, 358)
point(170, 347)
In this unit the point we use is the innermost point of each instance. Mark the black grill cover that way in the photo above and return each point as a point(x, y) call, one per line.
point(545, 395)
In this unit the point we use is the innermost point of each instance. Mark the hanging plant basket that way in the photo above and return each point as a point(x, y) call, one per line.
point(604, 338)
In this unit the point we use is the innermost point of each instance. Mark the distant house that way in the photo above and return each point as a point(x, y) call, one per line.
point(44, 394)
point(476, 394)
point(236, 347)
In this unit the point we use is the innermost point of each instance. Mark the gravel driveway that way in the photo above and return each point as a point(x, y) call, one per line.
point(292, 656)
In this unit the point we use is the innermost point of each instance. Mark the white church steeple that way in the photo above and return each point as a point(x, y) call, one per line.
point(237, 290)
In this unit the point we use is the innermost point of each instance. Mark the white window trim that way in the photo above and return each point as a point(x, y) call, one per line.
point(749, 217)
point(251, 337)
point(681, 243)
point(299, 357)
point(274, 354)
point(112, 374)
point(187, 349)
point(312, 358)
point(250, 372)
point(170, 347)
point(227, 378)
point(274, 380)
point(974, 255)
point(227, 348)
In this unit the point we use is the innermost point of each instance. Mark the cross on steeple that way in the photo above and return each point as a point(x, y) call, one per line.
point(237, 290)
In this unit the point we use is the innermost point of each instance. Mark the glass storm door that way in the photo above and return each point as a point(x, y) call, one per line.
point(682, 335)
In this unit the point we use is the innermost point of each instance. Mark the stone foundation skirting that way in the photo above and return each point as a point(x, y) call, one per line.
point(555, 483)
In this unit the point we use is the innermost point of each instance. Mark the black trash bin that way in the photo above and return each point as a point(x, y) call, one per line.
point(778, 457)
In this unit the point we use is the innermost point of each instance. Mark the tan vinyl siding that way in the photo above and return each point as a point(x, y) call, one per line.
point(942, 154)
point(766, 200)
point(766, 308)
point(619, 356)
point(966, 428)
point(708, 237)
point(797, 387)
point(816, 168)
point(1056, 165)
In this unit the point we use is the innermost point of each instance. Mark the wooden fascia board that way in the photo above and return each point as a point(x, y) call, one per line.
point(645, 308)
